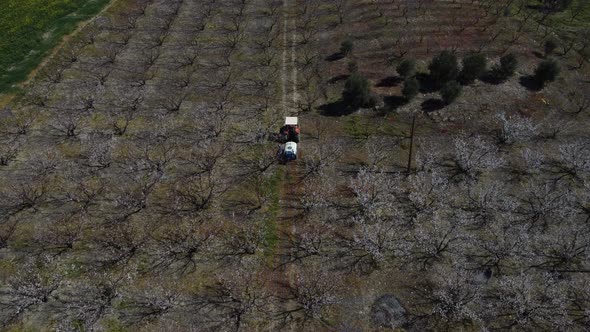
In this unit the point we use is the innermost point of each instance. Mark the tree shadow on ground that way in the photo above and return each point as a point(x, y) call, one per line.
point(394, 102)
point(490, 77)
point(538, 54)
point(427, 85)
point(432, 104)
point(572, 67)
point(530, 83)
point(338, 78)
point(390, 81)
point(543, 8)
point(464, 81)
point(337, 108)
point(334, 57)
point(546, 9)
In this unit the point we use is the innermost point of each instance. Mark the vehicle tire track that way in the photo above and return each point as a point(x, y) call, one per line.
point(294, 72)
point(283, 275)
point(284, 56)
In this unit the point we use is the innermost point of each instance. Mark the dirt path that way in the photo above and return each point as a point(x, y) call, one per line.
point(284, 57)
point(289, 71)
point(294, 63)
point(284, 274)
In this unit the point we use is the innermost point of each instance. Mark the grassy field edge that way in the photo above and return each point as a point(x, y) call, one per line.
point(60, 28)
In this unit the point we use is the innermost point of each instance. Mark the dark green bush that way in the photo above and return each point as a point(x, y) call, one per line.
point(357, 92)
point(547, 71)
point(443, 68)
point(550, 46)
point(508, 64)
point(474, 65)
point(411, 88)
point(406, 68)
point(506, 68)
point(346, 47)
point(450, 92)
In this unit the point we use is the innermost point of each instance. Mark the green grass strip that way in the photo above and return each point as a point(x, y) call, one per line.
point(30, 29)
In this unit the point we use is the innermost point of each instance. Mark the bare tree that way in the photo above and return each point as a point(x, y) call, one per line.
point(61, 236)
point(421, 197)
point(341, 7)
point(451, 298)
point(581, 101)
point(580, 297)
point(309, 242)
point(97, 152)
point(499, 249)
point(25, 290)
point(312, 294)
point(69, 123)
point(321, 158)
point(149, 303)
point(369, 247)
point(238, 298)
point(24, 195)
point(482, 204)
point(196, 193)
point(123, 110)
point(244, 240)
point(514, 129)
point(433, 240)
point(572, 161)
point(9, 149)
point(179, 248)
point(473, 155)
point(563, 248)
point(541, 204)
point(82, 304)
point(529, 301)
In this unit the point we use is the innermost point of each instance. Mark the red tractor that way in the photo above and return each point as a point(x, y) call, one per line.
point(290, 131)
point(288, 138)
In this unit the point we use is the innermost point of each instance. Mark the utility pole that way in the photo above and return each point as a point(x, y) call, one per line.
point(411, 144)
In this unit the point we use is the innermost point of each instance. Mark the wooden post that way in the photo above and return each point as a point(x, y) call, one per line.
point(411, 144)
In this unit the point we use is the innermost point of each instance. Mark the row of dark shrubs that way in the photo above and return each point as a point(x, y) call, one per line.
point(444, 76)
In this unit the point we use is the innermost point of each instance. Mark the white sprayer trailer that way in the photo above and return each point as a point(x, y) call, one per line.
point(288, 139)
